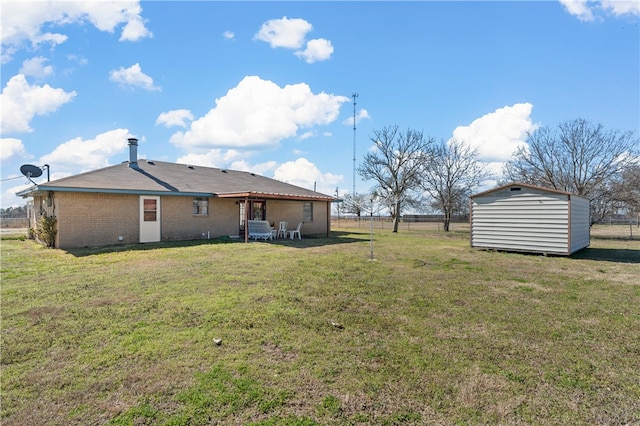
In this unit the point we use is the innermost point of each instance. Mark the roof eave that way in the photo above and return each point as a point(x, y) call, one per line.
point(41, 189)
point(36, 190)
point(524, 185)
point(273, 196)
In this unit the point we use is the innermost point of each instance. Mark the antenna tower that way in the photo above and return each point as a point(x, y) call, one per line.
point(354, 96)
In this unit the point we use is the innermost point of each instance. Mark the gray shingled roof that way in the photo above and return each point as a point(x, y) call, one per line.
point(162, 178)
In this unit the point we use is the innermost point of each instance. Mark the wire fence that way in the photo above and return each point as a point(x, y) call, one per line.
point(607, 229)
point(14, 222)
point(629, 229)
point(412, 223)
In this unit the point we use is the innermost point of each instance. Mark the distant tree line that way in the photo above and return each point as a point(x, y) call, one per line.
point(14, 212)
point(412, 171)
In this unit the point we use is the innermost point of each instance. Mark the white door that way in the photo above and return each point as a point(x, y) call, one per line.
point(149, 219)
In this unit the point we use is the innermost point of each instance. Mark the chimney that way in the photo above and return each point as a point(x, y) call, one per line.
point(133, 153)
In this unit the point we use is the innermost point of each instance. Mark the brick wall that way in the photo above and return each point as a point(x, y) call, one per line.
point(88, 219)
point(226, 214)
point(179, 222)
point(292, 213)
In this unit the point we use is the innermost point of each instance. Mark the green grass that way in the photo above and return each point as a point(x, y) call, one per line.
point(431, 332)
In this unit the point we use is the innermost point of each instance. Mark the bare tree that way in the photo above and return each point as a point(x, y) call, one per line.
point(577, 157)
point(627, 191)
point(409, 200)
point(451, 175)
point(395, 165)
point(353, 203)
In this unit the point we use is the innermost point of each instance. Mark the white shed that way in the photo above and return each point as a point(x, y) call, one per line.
point(525, 218)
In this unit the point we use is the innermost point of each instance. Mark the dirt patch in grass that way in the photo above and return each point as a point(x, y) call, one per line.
point(275, 352)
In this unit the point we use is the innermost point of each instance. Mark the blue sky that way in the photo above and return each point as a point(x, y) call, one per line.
point(267, 86)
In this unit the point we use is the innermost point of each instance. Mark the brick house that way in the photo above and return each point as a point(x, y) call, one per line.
point(148, 201)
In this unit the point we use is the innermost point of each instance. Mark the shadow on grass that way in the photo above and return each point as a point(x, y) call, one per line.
point(616, 238)
point(336, 237)
point(609, 255)
point(305, 242)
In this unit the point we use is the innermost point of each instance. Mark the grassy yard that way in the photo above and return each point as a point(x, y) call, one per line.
point(314, 333)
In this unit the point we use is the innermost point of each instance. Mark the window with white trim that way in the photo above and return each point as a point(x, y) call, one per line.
point(200, 206)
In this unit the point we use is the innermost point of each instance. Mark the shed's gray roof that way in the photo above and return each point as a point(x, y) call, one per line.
point(523, 185)
point(162, 178)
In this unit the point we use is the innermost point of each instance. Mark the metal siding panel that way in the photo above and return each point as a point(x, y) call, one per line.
point(580, 229)
point(525, 221)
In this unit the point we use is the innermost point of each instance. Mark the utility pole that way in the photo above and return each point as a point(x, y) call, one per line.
point(354, 96)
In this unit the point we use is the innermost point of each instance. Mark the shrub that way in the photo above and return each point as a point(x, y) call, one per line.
point(46, 231)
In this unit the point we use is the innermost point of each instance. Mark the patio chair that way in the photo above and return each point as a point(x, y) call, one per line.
point(282, 230)
point(293, 233)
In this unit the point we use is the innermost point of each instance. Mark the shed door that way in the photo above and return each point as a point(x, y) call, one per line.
point(149, 219)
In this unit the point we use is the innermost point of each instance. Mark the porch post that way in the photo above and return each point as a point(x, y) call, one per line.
point(246, 219)
point(328, 218)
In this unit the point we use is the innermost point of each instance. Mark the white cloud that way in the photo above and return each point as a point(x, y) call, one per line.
point(221, 158)
point(621, 7)
point(317, 50)
point(35, 67)
point(363, 114)
point(9, 197)
point(228, 35)
point(132, 77)
point(259, 113)
point(300, 172)
point(285, 32)
point(586, 10)
point(228, 159)
point(579, 8)
point(305, 174)
point(291, 34)
point(23, 21)
point(77, 59)
point(307, 135)
point(78, 155)
point(72, 157)
point(11, 147)
point(135, 30)
point(496, 135)
point(259, 168)
point(178, 117)
point(21, 102)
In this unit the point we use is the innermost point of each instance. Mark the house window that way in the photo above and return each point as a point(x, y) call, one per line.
point(307, 212)
point(150, 210)
point(200, 206)
point(258, 210)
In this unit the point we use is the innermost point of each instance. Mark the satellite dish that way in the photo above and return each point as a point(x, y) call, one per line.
point(30, 171)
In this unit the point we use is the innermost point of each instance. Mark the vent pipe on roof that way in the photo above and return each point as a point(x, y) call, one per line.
point(133, 153)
